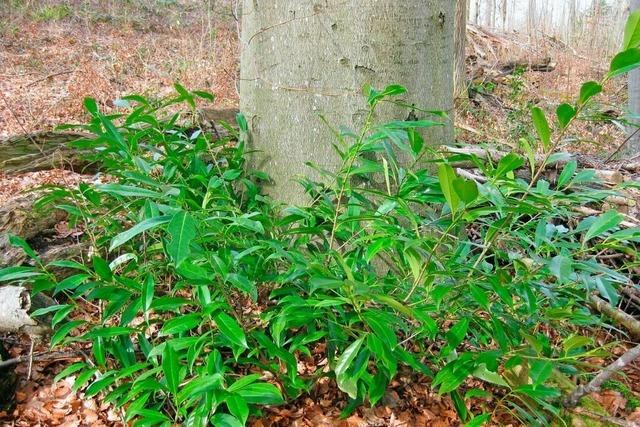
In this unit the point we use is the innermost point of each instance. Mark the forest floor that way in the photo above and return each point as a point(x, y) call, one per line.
point(53, 54)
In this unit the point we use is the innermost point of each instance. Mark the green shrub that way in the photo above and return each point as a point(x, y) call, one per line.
point(54, 12)
point(205, 293)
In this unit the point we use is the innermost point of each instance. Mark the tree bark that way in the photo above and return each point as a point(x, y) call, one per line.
point(303, 59)
point(460, 68)
point(633, 146)
point(531, 17)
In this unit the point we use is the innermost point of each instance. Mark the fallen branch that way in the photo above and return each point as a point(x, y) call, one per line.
point(604, 419)
point(48, 356)
point(629, 322)
point(595, 384)
point(605, 175)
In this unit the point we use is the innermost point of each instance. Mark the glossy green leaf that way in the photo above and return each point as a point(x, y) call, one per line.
point(182, 230)
point(447, 176)
point(171, 368)
point(565, 113)
point(238, 407)
point(603, 223)
point(21, 243)
point(343, 364)
point(102, 269)
point(64, 330)
point(181, 324)
point(542, 126)
point(137, 229)
point(18, 273)
point(624, 62)
point(231, 329)
point(466, 189)
point(632, 31)
point(261, 393)
point(589, 90)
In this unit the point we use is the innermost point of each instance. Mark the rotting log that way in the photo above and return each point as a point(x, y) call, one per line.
point(19, 217)
point(15, 304)
point(43, 151)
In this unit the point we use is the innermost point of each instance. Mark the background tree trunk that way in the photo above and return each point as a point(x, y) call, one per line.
point(460, 69)
point(571, 25)
point(303, 59)
point(633, 146)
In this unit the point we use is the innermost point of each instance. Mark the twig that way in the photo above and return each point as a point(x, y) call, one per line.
point(58, 355)
point(603, 418)
point(595, 384)
point(49, 77)
point(621, 146)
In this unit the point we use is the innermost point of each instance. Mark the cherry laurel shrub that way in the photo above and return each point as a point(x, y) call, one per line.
point(201, 295)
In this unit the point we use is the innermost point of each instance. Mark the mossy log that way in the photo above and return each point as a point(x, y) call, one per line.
point(42, 151)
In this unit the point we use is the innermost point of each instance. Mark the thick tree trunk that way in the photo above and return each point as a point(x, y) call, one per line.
point(304, 59)
point(460, 69)
point(633, 146)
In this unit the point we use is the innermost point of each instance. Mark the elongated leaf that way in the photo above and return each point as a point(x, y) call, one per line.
point(108, 332)
point(589, 90)
point(509, 163)
point(261, 393)
point(447, 175)
point(565, 113)
point(345, 382)
point(561, 267)
point(102, 268)
point(21, 243)
point(238, 407)
point(542, 126)
point(182, 230)
point(625, 61)
point(231, 329)
point(69, 370)
point(171, 368)
point(128, 191)
point(632, 31)
point(567, 173)
point(603, 223)
point(18, 273)
point(181, 324)
point(226, 420)
point(199, 385)
point(147, 293)
point(145, 225)
point(64, 330)
point(466, 189)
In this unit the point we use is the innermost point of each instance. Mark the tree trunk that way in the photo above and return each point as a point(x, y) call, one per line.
point(460, 69)
point(531, 17)
point(304, 59)
point(571, 25)
point(633, 146)
point(489, 20)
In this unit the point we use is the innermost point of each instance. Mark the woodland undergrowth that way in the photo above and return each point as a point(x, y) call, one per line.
point(201, 294)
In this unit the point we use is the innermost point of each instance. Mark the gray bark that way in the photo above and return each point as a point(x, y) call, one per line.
point(531, 17)
point(303, 59)
point(571, 25)
point(633, 146)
